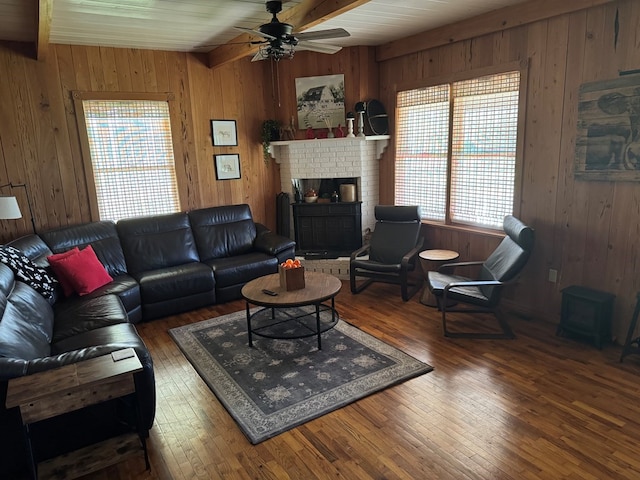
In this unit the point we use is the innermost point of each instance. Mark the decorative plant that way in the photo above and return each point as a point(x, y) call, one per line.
point(270, 132)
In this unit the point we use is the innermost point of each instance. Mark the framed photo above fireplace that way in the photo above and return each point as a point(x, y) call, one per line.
point(223, 133)
point(227, 166)
point(320, 101)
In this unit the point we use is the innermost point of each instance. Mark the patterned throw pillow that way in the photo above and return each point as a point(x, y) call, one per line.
point(28, 272)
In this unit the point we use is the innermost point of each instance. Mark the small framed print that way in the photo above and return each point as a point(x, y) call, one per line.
point(227, 166)
point(223, 133)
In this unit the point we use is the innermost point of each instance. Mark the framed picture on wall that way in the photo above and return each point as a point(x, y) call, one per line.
point(320, 101)
point(227, 166)
point(223, 133)
point(608, 140)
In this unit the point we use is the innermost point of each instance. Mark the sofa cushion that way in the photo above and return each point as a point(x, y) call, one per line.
point(241, 269)
point(26, 271)
point(160, 241)
point(33, 247)
point(83, 314)
point(126, 288)
point(54, 261)
point(102, 236)
point(223, 231)
point(82, 270)
point(175, 282)
point(26, 324)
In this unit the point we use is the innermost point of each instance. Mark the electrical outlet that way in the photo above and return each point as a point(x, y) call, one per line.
point(553, 275)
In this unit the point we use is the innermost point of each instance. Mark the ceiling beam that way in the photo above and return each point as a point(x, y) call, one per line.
point(44, 28)
point(302, 16)
point(491, 22)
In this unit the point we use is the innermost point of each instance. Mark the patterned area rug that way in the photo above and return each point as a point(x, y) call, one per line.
point(280, 384)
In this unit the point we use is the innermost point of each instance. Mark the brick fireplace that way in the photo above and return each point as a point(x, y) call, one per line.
point(313, 160)
point(311, 163)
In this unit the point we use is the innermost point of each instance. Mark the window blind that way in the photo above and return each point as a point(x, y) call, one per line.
point(483, 156)
point(422, 139)
point(473, 172)
point(132, 157)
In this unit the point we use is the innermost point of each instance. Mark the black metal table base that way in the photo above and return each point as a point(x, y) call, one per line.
point(291, 322)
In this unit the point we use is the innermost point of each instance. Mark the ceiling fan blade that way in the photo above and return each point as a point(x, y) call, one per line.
point(255, 32)
point(322, 34)
point(317, 47)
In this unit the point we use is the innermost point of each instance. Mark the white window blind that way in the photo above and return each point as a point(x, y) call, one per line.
point(132, 157)
point(473, 174)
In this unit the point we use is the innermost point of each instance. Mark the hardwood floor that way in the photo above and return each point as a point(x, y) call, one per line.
point(537, 407)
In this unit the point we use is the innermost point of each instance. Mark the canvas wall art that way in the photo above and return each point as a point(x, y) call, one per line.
point(608, 140)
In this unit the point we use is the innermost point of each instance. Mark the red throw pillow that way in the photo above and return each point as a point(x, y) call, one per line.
point(84, 271)
point(54, 260)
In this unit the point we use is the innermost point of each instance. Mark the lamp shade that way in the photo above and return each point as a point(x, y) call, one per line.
point(9, 208)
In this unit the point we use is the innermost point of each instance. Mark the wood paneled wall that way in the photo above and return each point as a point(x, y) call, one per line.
point(586, 230)
point(39, 143)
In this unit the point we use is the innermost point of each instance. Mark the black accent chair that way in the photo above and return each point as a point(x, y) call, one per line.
point(393, 249)
point(483, 294)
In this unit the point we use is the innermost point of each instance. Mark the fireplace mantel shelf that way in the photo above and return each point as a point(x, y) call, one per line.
point(381, 143)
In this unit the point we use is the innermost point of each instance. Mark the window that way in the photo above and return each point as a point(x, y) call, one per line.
point(456, 149)
point(130, 149)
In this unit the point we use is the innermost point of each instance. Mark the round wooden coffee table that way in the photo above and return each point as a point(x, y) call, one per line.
point(294, 314)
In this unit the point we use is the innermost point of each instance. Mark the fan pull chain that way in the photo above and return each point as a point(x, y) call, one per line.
point(275, 78)
point(278, 82)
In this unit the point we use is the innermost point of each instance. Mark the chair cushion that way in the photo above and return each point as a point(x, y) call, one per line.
point(396, 233)
point(469, 294)
point(364, 264)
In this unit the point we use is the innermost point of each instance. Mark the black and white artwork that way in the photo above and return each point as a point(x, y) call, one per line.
point(320, 101)
point(608, 141)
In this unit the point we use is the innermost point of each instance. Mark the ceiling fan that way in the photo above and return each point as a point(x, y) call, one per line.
point(280, 41)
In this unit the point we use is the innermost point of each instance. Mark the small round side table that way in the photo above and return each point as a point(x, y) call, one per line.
point(431, 260)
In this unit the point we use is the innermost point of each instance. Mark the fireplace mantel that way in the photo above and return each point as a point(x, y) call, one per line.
point(380, 141)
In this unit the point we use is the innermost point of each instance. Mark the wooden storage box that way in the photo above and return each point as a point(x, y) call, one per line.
point(291, 278)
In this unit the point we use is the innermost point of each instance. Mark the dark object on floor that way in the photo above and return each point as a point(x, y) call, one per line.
point(586, 312)
point(483, 294)
point(393, 250)
point(631, 344)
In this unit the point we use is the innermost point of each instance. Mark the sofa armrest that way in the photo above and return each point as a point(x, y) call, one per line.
point(270, 242)
point(67, 358)
point(12, 367)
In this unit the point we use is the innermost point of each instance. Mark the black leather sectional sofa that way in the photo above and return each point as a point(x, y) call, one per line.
point(160, 265)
